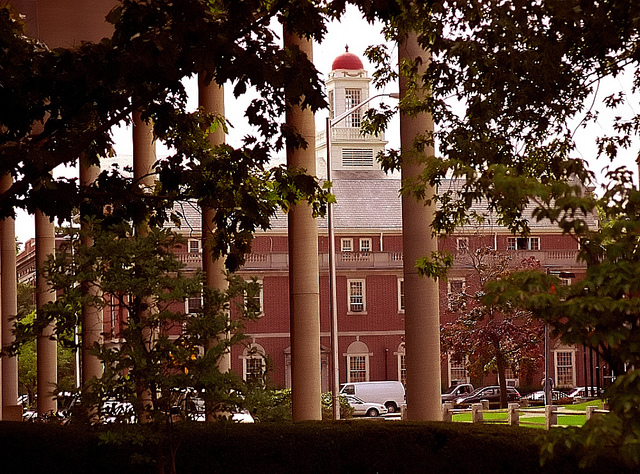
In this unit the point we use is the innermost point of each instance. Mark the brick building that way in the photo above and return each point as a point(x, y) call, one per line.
point(368, 229)
point(369, 258)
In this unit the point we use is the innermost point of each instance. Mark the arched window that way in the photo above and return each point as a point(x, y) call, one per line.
point(357, 362)
point(352, 98)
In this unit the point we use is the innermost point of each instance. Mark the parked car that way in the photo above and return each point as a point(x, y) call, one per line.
point(195, 411)
point(580, 392)
point(457, 391)
point(114, 411)
point(362, 408)
point(492, 394)
point(389, 393)
point(557, 397)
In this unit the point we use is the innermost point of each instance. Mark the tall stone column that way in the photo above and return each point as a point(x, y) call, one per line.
point(211, 99)
point(61, 23)
point(422, 315)
point(46, 342)
point(144, 152)
point(92, 316)
point(11, 411)
point(144, 156)
point(303, 270)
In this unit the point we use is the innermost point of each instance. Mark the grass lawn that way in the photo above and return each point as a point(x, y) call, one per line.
point(535, 420)
point(492, 415)
point(582, 406)
point(563, 420)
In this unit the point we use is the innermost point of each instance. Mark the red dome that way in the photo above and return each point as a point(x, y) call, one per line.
point(347, 60)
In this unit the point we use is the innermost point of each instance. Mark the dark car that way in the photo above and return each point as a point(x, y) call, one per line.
point(457, 391)
point(492, 394)
point(558, 398)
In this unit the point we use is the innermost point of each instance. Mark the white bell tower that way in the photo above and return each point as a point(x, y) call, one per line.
point(347, 86)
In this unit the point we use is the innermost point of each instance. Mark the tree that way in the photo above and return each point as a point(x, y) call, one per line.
point(491, 337)
point(601, 311)
point(161, 354)
point(78, 95)
point(510, 83)
point(522, 74)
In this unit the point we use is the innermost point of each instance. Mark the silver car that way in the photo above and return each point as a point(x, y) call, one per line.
point(362, 408)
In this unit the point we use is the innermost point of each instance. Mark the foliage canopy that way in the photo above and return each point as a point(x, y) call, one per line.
point(521, 74)
point(60, 104)
point(156, 356)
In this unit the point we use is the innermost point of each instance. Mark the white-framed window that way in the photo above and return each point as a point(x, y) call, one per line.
point(457, 371)
point(113, 312)
point(462, 243)
point(510, 377)
point(455, 293)
point(356, 290)
point(193, 304)
point(523, 243)
point(365, 245)
point(254, 363)
point(400, 295)
point(565, 281)
point(357, 157)
point(357, 362)
point(534, 243)
point(346, 245)
point(194, 246)
point(402, 365)
point(358, 368)
point(352, 98)
point(256, 302)
point(565, 368)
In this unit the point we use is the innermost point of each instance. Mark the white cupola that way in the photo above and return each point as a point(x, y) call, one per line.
point(348, 86)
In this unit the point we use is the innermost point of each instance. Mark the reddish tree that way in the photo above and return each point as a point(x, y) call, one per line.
point(494, 337)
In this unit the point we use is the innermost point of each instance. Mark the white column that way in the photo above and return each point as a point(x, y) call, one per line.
point(11, 411)
point(422, 315)
point(92, 316)
point(46, 342)
point(304, 290)
point(144, 156)
point(211, 99)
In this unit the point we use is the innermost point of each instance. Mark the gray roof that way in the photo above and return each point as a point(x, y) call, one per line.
point(367, 203)
point(480, 207)
point(371, 202)
point(368, 200)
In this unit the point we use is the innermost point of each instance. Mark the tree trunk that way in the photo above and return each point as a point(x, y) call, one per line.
point(501, 376)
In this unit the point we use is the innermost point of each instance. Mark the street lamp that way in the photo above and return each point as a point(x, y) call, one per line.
point(333, 300)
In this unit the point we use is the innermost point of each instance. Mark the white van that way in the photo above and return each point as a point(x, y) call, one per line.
point(388, 393)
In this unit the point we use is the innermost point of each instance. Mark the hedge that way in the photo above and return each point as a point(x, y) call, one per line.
point(360, 446)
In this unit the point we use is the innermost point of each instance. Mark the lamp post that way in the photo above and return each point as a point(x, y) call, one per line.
point(333, 301)
point(548, 394)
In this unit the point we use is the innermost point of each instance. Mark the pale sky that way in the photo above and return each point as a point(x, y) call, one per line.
point(357, 34)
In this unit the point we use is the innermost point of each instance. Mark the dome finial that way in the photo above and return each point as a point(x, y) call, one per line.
point(346, 48)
